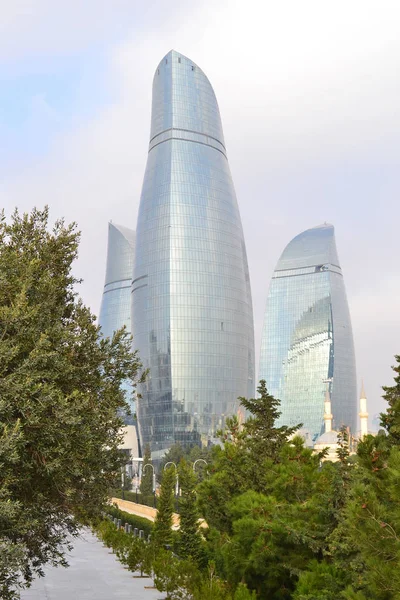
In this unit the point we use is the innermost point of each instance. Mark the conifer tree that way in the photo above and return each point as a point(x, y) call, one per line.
point(189, 536)
point(146, 483)
point(162, 532)
point(391, 418)
point(265, 439)
point(174, 454)
point(243, 593)
point(343, 451)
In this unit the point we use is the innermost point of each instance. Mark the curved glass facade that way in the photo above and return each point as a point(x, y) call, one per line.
point(115, 309)
point(307, 341)
point(191, 300)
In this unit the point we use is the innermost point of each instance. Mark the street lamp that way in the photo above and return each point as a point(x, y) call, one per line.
point(123, 481)
point(177, 477)
point(154, 481)
point(123, 475)
point(136, 485)
point(198, 460)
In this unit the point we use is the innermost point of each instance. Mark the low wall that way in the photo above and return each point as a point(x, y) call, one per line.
point(140, 510)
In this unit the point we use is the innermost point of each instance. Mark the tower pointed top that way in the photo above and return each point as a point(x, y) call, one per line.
point(363, 394)
point(184, 100)
point(315, 246)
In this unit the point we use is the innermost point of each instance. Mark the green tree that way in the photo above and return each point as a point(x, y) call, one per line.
point(174, 454)
point(113, 537)
point(229, 476)
point(273, 534)
point(190, 454)
point(12, 563)
point(60, 397)
point(249, 453)
point(391, 418)
point(264, 439)
point(162, 532)
point(190, 544)
point(137, 556)
point(173, 576)
point(204, 458)
point(372, 521)
point(243, 593)
point(321, 581)
point(273, 540)
point(146, 483)
point(343, 451)
point(360, 561)
point(211, 587)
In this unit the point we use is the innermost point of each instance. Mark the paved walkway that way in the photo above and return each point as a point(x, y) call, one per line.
point(94, 574)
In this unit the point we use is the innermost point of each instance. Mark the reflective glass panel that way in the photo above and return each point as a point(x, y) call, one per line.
point(191, 300)
point(307, 342)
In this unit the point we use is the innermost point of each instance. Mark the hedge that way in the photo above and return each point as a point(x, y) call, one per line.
point(131, 496)
point(135, 521)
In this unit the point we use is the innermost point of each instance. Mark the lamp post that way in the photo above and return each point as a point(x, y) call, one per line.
point(177, 477)
point(123, 481)
point(198, 460)
point(136, 485)
point(128, 465)
point(154, 481)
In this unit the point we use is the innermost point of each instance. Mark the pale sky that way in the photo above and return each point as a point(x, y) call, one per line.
point(309, 94)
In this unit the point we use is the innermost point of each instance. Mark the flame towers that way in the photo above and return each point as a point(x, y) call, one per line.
point(307, 341)
point(191, 301)
point(115, 303)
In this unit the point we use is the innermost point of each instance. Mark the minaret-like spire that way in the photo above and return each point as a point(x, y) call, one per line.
point(328, 412)
point(363, 414)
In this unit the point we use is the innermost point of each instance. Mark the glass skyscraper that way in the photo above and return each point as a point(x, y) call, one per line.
point(115, 310)
point(191, 300)
point(307, 342)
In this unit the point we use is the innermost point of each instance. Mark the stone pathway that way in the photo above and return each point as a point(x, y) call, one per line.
point(94, 574)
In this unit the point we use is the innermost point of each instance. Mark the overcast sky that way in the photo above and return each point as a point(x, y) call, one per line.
point(309, 93)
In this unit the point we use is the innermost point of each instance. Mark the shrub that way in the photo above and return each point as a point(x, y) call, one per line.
point(113, 538)
point(138, 556)
point(145, 499)
point(139, 522)
point(211, 587)
point(175, 577)
point(243, 593)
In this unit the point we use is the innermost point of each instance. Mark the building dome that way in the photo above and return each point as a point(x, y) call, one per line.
point(327, 438)
point(330, 440)
point(305, 435)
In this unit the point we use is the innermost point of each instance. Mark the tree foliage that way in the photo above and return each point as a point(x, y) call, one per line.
point(190, 454)
point(290, 526)
point(285, 524)
point(162, 532)
point(391, 418)
point(60, 397)
point(173, 576)
point(146, 483)
point(264, 438)
point(248, 455)
point(190, 543)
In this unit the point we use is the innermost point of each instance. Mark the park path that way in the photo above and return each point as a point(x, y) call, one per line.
point(94, 574)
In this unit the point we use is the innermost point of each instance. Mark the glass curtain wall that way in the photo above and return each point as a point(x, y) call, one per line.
point(307, 341)
point(191, 300)
point(115, 309)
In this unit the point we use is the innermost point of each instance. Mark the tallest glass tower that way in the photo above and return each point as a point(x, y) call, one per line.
point(191, 300)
